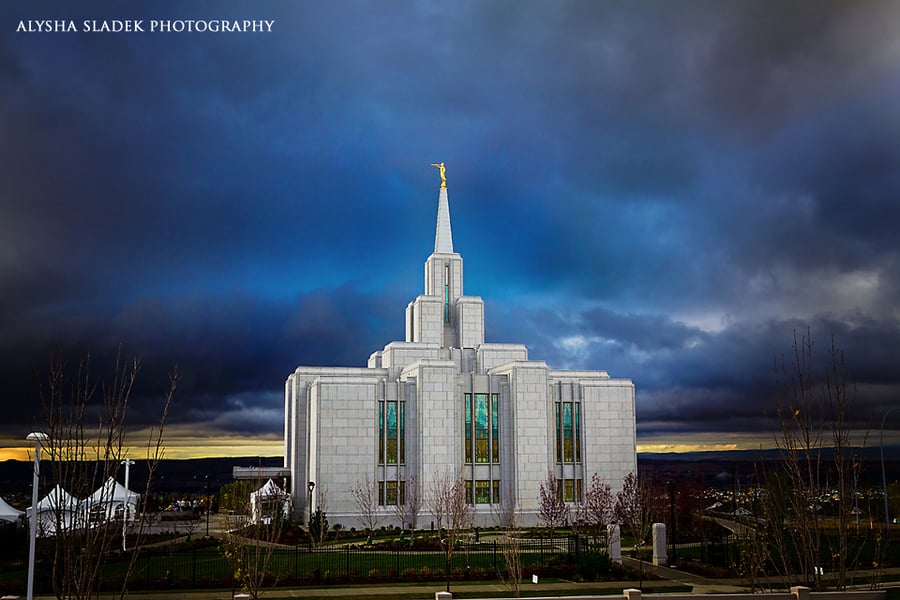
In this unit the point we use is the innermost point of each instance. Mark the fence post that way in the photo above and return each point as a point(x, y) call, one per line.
point(542, 549)
point(194, 568)
point(347, 552)
point(495, 555)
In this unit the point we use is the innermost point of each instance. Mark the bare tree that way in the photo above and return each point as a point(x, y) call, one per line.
point(365, 496)
point(448, 502)
point(553, 511)
point(318, 525)
point(813, 415)
point(508, 518)
point(249, 547)
point(637, 507)
point(85, 421)
point(409, 505)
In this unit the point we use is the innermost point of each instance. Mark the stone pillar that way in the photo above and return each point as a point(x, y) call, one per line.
point(800, 592)
point(632, 594)
point(659, 544)
point(614, 543)
point(443, 596)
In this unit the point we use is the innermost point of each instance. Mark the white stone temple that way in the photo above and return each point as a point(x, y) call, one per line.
point(443, 403)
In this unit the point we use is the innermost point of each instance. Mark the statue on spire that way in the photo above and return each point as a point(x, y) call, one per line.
point(443, 174)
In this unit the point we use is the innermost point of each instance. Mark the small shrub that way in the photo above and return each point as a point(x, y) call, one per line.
point(594, 566)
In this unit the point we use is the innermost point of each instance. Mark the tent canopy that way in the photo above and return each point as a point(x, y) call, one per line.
point(58, 498)
point(7, 512)
point(112, 491)
point(269, 491)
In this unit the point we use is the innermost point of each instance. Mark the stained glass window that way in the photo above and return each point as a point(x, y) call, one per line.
point(570, 490)
point(568, 432)
point(468, 401)
point(577, 428)
point(495, 428)
point(380, 433)
point(568, 451)
point(559, 456)
point(481, 428)
point(447, 294)
point(391, 433)
point(482, 492)
point(403, 433)
point(390, 493)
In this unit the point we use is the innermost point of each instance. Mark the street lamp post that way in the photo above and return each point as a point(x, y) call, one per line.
point(37, 437)
point(887, 516)
point(127, 462)
point(311, 486)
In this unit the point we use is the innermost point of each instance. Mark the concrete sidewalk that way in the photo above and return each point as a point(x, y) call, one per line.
point(671, 580)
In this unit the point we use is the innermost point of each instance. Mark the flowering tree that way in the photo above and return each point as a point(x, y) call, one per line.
point(595, 512)
point(553, 512)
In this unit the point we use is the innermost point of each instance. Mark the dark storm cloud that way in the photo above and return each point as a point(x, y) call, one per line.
point(728, 380)
point(665, 190)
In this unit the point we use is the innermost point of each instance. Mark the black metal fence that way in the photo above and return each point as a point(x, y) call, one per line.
point(207, 567)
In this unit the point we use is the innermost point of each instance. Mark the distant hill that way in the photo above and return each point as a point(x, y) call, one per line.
point(722, 468)
point(187, 476)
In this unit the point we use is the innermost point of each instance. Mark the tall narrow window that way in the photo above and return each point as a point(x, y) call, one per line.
point(391, 433)
point(495, 428)
point(568, 432)
point(468, 491)
point(496, 491)
point(559, 432)
point(568, 450)
point(380, 432)
point(577, 430)
point(446, 293)
point(468, 400)
point(481, 428)
point(402, 439)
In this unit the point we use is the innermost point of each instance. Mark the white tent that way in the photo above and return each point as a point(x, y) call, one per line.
point(57, 510)
point(110, 502)
point(267, 501)
point(8, 513)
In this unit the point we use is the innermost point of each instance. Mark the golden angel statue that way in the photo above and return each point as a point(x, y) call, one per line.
point(443, 174)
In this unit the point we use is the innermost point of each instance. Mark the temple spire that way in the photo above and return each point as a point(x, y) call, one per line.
point(443, 238)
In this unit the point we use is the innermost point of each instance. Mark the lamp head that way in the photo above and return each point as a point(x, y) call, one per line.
point(312, 486)
point(37, 436)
